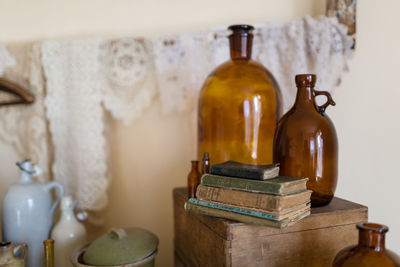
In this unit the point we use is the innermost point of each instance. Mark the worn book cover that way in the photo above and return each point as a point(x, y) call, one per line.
point(245, 218)
point(251, 212)
point(281, 185)
point(252, 200)
point(247, 171)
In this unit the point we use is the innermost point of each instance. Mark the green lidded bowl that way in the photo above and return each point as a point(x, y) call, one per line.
point(120, 247)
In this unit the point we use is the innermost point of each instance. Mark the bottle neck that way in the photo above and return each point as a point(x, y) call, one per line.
point(195, 165)
point(305, 97)
point(240, 45)
point(372, 236)
point(68, 215)
point(26, 177)
point(372, 240)
point(206, 163)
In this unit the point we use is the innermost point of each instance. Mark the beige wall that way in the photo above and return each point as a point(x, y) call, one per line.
point(151, 156)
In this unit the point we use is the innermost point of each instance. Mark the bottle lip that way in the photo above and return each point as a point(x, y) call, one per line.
point(48, 242)
point(373, 227)
point(305, 80)
point(245, 27)
point(242, 29)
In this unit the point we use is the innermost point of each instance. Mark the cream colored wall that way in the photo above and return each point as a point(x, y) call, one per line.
point(151, 156)
point(367, 117)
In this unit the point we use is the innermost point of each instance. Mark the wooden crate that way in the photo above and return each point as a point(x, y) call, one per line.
point(202, 240)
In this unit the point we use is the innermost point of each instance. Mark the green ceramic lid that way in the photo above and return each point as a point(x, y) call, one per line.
point(121, 246)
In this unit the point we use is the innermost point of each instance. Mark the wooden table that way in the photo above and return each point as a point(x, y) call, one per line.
point(202, 240)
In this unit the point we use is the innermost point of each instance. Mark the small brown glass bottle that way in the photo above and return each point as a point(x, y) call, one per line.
point(306, 144)
point(239, 106)
point(48, 253)
point(193, 179)
point(205, 167)
point(370, 250)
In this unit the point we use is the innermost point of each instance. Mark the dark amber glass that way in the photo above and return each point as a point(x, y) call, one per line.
point(48, 253)
point(239, 106)
point(205, 167)
point(370, 250)
point(193, 179)
point(306, 143)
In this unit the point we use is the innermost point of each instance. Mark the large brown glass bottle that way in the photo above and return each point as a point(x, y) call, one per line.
point(306, 143)
point(370, 250)
point(239, 106)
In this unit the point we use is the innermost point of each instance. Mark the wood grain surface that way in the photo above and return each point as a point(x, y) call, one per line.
point(202, 240)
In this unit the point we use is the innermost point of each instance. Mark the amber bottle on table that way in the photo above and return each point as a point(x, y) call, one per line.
point(370, 250)
point(239, 106)
point(193, 179)
point(306, 142)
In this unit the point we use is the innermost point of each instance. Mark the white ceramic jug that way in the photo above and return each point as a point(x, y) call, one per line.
point(28, 212)
point(68, 234)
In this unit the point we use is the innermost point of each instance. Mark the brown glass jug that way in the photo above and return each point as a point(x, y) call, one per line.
point(239, 106)
point(306, 144)
point(370, 250)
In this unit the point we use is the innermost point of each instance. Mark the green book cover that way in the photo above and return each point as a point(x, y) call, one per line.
point(244, 211)
point(281, 185)
point(244, 218)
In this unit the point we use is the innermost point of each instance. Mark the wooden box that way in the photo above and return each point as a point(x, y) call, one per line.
point(202, 240)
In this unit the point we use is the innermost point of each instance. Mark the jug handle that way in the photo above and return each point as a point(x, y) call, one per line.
point(48, 187)
point(329, 101)
point(20, 246)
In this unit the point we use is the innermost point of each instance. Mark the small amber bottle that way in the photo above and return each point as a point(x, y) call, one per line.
point(48, 253)
point(205, 168)
point(193, 179)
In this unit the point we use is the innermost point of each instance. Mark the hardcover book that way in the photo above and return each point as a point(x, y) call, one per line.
point(250, 212)
point(273, 203)
point(245, 218)
point(281, 185)
point(247, 171)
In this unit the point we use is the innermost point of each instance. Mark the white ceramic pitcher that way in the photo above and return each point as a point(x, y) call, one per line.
point(28, 212)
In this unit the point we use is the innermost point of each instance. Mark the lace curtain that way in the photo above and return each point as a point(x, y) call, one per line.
point(125, 76)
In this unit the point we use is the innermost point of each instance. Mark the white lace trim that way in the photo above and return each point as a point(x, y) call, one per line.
point(307, 45)
point(125, 75)
point(75, 113)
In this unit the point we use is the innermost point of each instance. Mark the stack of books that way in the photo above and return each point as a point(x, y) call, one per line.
point(251, 194)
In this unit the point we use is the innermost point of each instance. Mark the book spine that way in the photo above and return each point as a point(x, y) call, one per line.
point(241, 184)
point(243, 211)
point(240, 198)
